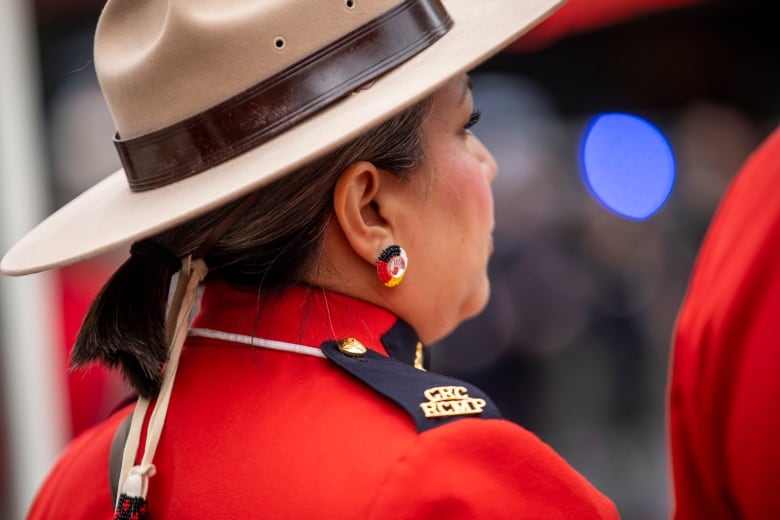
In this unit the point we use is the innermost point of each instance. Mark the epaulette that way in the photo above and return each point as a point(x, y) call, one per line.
point(431, 399)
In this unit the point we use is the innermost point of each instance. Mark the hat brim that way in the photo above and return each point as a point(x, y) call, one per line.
point(109, 215)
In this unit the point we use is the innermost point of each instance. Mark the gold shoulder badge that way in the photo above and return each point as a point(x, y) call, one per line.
point(446, 401)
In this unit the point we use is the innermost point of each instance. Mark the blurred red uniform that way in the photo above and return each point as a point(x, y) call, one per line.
point(725, 388)
point(578, 16)
point(93, 393)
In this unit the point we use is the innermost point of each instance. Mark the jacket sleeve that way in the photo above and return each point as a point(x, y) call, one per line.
point(477, 468)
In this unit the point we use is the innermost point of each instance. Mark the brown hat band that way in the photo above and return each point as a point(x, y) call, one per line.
point(261, 112)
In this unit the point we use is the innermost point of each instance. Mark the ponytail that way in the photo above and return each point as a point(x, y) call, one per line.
point(125, 325)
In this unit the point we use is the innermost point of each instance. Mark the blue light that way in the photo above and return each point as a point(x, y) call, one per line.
point(627, 164)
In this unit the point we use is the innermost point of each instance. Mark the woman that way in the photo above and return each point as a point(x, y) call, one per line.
point(324, 232)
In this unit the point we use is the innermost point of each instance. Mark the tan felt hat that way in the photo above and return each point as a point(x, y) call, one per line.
point(214, 99)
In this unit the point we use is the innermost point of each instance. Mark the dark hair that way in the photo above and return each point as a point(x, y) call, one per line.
point(271, 247)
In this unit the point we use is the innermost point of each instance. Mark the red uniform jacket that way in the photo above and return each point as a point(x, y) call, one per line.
point(254, 432)
point(725, 388)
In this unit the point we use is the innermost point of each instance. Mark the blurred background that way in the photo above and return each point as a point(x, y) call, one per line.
point(616, 126)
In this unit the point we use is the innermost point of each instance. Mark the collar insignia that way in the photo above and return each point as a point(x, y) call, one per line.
point(446, 401)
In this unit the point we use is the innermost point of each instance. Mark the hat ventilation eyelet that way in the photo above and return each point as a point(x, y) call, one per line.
point(280, 43)
point(350, 4)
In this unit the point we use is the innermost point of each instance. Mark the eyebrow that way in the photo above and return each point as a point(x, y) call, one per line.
point(467, 86)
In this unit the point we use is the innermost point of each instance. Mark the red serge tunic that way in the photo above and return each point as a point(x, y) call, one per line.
point(725, 389)
point(255, 432)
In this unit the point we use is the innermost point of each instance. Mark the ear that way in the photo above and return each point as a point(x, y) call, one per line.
point(363, 201)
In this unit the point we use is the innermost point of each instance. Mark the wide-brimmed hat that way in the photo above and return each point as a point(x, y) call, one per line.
point(212, 100)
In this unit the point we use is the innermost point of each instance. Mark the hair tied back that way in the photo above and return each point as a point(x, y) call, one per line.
point(151, 250)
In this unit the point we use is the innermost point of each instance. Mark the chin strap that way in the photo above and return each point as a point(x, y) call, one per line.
point(134, 479)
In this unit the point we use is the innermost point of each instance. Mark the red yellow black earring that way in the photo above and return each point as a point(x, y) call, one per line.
point(391, 265)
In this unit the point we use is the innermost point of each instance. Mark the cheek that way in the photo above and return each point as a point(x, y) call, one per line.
point(461, 204)
point(467, 176)
point(477, 198)
point(483, 196)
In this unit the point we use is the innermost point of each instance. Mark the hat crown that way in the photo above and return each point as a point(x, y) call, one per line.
point(159, 62)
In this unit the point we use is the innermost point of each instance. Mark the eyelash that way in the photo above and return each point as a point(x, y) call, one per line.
point(473, 119)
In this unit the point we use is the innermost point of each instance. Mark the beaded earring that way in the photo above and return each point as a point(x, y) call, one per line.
point(391, 265)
